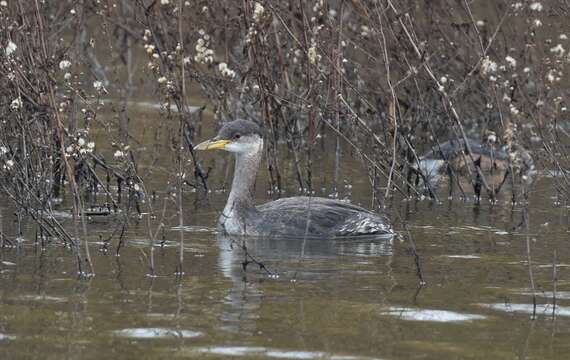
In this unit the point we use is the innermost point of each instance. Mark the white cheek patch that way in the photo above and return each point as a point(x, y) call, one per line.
point(235, 147)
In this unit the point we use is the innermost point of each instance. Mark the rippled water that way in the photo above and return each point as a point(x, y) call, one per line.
point(325, 299)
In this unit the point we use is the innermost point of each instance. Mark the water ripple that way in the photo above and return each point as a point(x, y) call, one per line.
point(274, 353)
point(156, 333)
point(541, 309)
point(430, 315)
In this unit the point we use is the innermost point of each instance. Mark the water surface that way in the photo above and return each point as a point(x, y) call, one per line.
point(323, 299)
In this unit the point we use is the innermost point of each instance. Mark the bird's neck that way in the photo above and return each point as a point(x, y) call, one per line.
point(242, 193)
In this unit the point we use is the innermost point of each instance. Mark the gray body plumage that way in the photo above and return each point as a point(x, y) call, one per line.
point(453, 148)
point(454, 152)
point(288, 217)
point(308, 216)
point(432, 162)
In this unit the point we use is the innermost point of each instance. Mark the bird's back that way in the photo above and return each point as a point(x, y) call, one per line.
point(315, 217)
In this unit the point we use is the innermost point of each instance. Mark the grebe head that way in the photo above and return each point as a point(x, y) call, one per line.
point(238, 136)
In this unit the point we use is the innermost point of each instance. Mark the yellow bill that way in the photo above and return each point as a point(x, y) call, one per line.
point(211, 145)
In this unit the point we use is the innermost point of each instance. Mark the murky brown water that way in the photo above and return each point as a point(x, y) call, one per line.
point(344, 299)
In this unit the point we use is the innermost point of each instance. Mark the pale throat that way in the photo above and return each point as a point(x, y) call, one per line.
point(241, 198)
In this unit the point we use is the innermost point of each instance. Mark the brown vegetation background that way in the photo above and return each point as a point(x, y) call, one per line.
point(388, 79)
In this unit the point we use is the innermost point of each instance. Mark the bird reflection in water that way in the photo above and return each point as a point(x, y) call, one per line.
point(287, 260)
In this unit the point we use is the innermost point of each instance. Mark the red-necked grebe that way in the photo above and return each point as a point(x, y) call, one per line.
point(289, 217)
point(492, 160)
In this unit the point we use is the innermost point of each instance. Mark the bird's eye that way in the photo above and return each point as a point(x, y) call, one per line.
point(237, 136)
